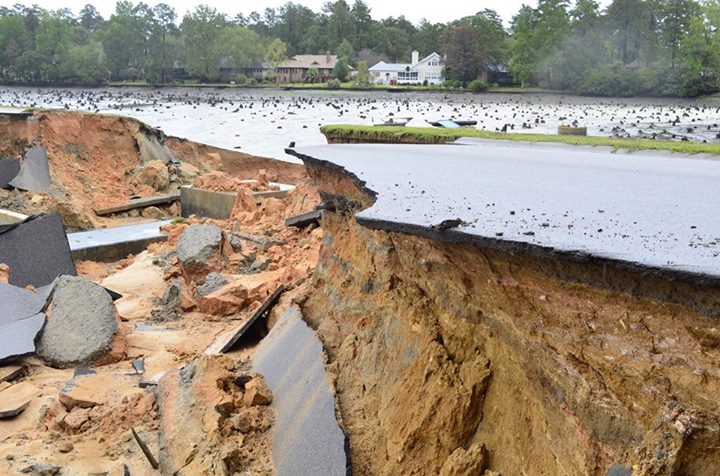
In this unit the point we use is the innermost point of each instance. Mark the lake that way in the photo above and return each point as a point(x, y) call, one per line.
point(263, 122)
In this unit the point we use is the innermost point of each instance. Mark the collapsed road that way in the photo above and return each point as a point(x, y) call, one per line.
point(383, 314)
point(526, 309)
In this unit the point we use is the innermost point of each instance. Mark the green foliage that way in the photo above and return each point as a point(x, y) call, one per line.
point(201, 30)
point(275, 53)
point(363, 75)
point(341, 70)
point(333, 84)
point(478, 86)
point(433, 135)
point(633, 47)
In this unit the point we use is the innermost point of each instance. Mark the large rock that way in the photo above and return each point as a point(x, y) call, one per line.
point(198, 245)
point(82, 328)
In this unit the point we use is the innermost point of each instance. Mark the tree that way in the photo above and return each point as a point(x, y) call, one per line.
point(676, 18)
point(90, 18)
point(201, 30)
point(341, 70)
point(239, 47)
point(363, 74)
point(464, 53)
point(346, 51)
point(275, 53)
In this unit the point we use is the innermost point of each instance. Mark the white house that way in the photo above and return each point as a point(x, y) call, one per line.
point(428, 69)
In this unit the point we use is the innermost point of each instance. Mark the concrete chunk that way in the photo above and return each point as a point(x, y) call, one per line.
point(291, 360)
point(34, 175)
point(37, 251)
point(14, 400)
point(198, 244)
point(83, 326)
point(9, 169)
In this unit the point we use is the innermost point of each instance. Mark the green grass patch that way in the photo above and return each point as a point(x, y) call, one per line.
point(428, 135)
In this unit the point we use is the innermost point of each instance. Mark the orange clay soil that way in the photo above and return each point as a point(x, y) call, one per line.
point(98, 161)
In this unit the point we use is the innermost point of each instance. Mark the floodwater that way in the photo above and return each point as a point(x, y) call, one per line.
point(263, 122)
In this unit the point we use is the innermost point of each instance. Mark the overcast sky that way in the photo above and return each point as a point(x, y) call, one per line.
point(414, 10)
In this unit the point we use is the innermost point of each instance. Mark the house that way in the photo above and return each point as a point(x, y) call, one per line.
point(296, 69)
point(430, 69)
point(496, 73)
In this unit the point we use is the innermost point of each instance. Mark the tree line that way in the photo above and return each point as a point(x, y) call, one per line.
point(632, 47)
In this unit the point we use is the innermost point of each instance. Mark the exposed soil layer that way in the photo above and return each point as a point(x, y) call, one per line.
point(440, 347)
point(98, 161)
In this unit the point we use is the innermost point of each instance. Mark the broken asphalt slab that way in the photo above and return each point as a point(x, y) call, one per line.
point(34, 175)
point(9, 169)
point(15, 399)
point(307, 439)
point(36, 250)
point(21, 319)
point(112, 244)
point(83, 327)
point(648, 210)
point(226, 340)
point(139, 202)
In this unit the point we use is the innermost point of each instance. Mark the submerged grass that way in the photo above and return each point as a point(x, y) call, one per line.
point(428, 135)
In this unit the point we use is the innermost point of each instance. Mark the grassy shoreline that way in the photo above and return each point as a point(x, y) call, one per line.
point(339, 133)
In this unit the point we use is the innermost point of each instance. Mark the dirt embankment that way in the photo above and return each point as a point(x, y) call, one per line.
point(99, 161)
point(450, 355)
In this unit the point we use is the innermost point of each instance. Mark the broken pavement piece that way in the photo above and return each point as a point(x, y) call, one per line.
point(291, 360)
point(198, 245)
point(11, 372)
point(138, 202)
point(226, 340)
point(146, 451)
point(9, 169)
point(85, 391)
point(34, 174)
point(21, 319)
point(263, 242)
point(15, 399)
point(305, 219)
point(42, 469)
point(83, 329)
point(37, 251)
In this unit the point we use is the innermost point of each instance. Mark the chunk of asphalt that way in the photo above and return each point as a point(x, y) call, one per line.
point(305, 219)
point(198, 244)
point(9, 169)
point(34, 174)
point(83, 324)
point(15, 399)
point(291, 359)
point(21, 319)
point(37, 251)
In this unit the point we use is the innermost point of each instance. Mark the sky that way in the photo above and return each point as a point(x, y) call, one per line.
point(414, 10)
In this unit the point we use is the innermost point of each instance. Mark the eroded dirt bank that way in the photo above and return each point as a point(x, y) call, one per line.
point(98, 161)
point(452, 359)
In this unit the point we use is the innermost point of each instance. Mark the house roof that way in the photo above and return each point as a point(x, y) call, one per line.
point(310, 61)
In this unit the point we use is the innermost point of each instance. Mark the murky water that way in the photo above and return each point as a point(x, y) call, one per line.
point(264, 122)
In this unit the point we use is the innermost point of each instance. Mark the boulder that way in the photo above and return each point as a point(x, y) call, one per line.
point(83, 327)
point(198, 245)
